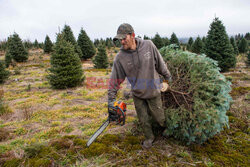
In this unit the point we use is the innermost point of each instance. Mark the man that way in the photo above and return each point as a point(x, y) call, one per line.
point(140, 61)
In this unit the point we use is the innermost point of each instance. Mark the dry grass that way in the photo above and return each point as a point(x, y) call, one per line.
point(52, 124)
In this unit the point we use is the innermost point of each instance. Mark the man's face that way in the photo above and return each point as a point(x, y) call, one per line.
point(127, 42)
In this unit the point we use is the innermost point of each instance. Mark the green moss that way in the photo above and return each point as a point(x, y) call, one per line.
point(224, 152)
point(15, 162)
point(69, 137)
point(238, 123)
point(61, 143)
point(38, 162)
point(95, 149)
point(131, 140)
point(239, 91)
point(109, 139)
point(79, 142)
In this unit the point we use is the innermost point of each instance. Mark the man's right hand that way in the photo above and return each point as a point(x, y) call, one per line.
point(113, 116)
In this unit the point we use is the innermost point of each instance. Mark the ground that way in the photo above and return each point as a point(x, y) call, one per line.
point(41, 126)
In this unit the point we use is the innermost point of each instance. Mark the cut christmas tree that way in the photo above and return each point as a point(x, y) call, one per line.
point(198, 100)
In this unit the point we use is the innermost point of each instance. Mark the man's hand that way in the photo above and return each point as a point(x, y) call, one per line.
point(164, 86)
point(113, 116)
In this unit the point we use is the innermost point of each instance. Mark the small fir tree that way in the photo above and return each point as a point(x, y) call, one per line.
point(68, 35)
point(66, 68)
point(16, 48)
point(248, 57)
point(96, 42)
point(28, 44)
point(197, 46)
point(47, 45)
point(36, 44)
point(157, 40)
point(243, 45)
point(174, 39)
point(233, 43)
point(145, 37)
point(86, 45)
point(247, 36)
point(218, 46)
point(8, 59)
point(203, 40)
point(190, 43)
point(4, 74)
point(166, 41)
point(101, 59)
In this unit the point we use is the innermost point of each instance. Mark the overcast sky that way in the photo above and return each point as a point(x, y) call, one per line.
point(33, 19)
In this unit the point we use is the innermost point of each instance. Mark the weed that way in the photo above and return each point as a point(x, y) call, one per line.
point(17, 70)
point(240, 91)
point(28, 87)
point(27, 111)
point(4, 134)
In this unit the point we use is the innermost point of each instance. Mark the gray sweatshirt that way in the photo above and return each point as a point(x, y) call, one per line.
point(141, 67)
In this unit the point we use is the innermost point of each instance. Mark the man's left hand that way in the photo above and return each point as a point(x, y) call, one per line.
point(164, 86)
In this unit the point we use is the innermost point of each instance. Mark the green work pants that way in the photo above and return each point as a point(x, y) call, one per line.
point(149, 111)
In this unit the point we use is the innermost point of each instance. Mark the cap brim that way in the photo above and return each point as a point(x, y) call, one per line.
point(119, 36)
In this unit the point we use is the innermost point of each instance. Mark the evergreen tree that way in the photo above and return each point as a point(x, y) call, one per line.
point(145, 37)
point(27, 44)
point(248, 57)
point(8, 59)
point(96, 42)
point(157, 40)
point(218, 46)
point(3, 45)
point(4, 74)
point(203, 40)
point(36, 44)
point(232, 41)
point(174, 39)
point(243, 45)
point(247, 36)
point(68, 35)
point(197, 46)
point(66, 68)
point(16, 48)
point(101, 59)
point(47, 45)
point(86, 45)
point(166, 41)
point(190, 43)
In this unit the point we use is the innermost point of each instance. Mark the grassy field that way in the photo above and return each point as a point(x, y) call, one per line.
point(40, 126)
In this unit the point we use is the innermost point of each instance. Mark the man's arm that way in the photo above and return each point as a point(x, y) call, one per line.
point(160, 65)
point(117, 77)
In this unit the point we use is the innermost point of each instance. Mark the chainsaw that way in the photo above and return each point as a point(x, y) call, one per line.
point(120, 109)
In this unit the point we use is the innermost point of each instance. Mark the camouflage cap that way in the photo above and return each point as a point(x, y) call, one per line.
point(123, 30)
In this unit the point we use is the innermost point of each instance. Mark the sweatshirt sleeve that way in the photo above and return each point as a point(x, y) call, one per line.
point(161, 66)
point(117, 77)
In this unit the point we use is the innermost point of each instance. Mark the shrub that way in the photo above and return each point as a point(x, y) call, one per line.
point(47, 45)
point(4, 74)
point(16, 48)
point(199, 97)
point(66, 68)
point(218, 46)
point(101, 59)
point(86, 45)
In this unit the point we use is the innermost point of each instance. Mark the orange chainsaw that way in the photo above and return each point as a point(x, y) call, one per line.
point(119, 108)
